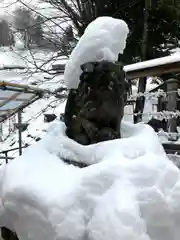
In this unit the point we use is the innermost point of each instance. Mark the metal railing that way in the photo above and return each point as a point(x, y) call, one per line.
point(4, 153)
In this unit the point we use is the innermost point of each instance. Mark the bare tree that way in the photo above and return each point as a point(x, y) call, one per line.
point(81, 13)
point(23, 21)
point(29, 26)
point(36, 31)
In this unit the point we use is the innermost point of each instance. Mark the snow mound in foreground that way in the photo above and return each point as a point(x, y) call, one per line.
point(131, 190)
point(103, 39)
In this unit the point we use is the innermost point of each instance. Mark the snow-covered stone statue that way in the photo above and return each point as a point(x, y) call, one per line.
point(129, 189)
point(95, 76)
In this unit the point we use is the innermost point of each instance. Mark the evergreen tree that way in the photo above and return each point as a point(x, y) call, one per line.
point(36, 31)
point(23, 20)
point(6, 35)
point(29, 26)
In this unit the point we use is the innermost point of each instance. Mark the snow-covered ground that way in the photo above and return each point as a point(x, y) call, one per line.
point(130, 191)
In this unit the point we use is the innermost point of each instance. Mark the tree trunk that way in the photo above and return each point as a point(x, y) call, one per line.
point(142, 81)
point(94, 111)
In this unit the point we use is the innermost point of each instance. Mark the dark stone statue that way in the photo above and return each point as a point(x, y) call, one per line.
point(7, 234)
point(94, 110)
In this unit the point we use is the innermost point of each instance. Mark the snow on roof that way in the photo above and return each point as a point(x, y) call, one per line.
point(11, 59)
point(152, 63)
point(7, 7)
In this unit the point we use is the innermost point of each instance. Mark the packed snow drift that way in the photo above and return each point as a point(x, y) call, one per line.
point(103, 39)
point(130, 190)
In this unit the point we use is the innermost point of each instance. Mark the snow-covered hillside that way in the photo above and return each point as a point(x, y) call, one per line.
point(7, 7)
point(53, 23)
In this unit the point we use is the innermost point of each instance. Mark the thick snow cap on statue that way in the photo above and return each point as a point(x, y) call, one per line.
point(103, 39)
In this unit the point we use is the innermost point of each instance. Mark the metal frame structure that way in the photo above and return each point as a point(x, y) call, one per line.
point(5, 153)
point(18, 93)
point(14, 98)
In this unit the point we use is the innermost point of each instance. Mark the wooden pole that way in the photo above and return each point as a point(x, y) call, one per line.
point(172, 85)
point(20, 132)
point(142, 82)
point(1, 132)
point(6, 156)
